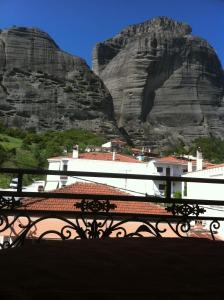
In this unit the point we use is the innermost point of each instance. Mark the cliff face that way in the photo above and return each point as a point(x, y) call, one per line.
point(43, 87)
point(167, 85)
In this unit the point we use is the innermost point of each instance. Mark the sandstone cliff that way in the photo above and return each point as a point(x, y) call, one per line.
point(43, 87)
point(167, 85)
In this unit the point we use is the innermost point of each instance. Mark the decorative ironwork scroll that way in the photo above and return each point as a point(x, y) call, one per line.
point(186, 209)
point(87, 205)
point(97, 217)
point(9, 202)
point(22, 227)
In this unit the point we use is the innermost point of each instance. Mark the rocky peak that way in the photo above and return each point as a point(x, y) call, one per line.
point(42, 87)
point(157, 24)
point(29, 33)
point(167, 85)
point(31, 49)
point(146, 33)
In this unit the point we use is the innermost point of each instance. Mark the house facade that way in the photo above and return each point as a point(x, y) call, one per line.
point(207, 191)
point(112, 162)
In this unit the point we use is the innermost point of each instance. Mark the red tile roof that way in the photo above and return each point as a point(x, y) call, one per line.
point(90, 188)
point(67, 205)
point(108, 156)
point(102, 156)
point(212, 166)
point(204, 233)
point(117, 141)
point(173, 160)
point(207, 165)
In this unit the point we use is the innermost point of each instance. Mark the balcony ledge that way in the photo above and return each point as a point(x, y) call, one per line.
point(115, 269)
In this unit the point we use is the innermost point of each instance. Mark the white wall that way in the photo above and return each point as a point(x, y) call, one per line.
point(52, 181)
point(175, 170)
point(207, 191)
point(135, 186)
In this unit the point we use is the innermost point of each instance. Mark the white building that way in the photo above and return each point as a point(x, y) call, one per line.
point(98, 162)
point(170, 166)
point(111, 162)
point(207, 191)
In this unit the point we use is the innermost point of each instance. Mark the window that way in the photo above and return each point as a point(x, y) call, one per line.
point(168, 171)
point(162, 187)
point(185, 188)
point(65, 167)
point(40, 188)
point(159, 169)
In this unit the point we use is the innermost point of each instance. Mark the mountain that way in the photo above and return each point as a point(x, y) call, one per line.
point(42, 87)
point(156, 81)
point(167, 85)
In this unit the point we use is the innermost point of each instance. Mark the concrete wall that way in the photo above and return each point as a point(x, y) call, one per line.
point(207, 191)
point(135, 186)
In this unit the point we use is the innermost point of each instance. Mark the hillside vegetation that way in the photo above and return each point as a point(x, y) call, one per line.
point(212, 149)
point(28, 149)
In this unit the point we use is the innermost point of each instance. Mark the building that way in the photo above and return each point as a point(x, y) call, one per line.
point(117, 163)
point(207, 191)
point(103, 162)
point(114, 145)
point(169, 166)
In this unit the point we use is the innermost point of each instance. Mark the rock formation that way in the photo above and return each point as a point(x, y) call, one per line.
point(42, 87)
point(167, 85)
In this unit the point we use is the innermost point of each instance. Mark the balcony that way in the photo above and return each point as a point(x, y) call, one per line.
point(89, 263)
point(90, 215)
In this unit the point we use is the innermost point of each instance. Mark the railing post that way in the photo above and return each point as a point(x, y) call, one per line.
point(168, 188)
point(20, 182)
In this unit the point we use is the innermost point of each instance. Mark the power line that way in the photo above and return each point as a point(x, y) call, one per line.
point(124, 189)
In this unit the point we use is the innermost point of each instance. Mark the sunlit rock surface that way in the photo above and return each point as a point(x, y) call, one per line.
point(42, 87)
point(167, 84)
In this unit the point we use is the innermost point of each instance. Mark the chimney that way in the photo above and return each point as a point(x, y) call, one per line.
point(65, 152)
point(114, 155)
point(189, 166)
point(199, 160)
point(75, 151)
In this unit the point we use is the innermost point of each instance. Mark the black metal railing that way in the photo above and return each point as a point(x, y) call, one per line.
point(95, 215)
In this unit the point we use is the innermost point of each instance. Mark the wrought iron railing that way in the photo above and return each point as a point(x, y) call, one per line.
point(95, 215)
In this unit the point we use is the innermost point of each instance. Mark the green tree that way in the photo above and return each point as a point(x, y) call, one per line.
point(212, 148)
point(3, 154)
point(177, 195)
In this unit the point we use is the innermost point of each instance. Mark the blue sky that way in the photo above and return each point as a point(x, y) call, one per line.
point(77, 25)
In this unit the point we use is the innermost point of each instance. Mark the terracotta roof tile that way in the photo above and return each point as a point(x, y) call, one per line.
point(172, 160)
point(55, 204)
point(202, 234)
point(213, 166)
point(102, 156)
point(108, 156)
